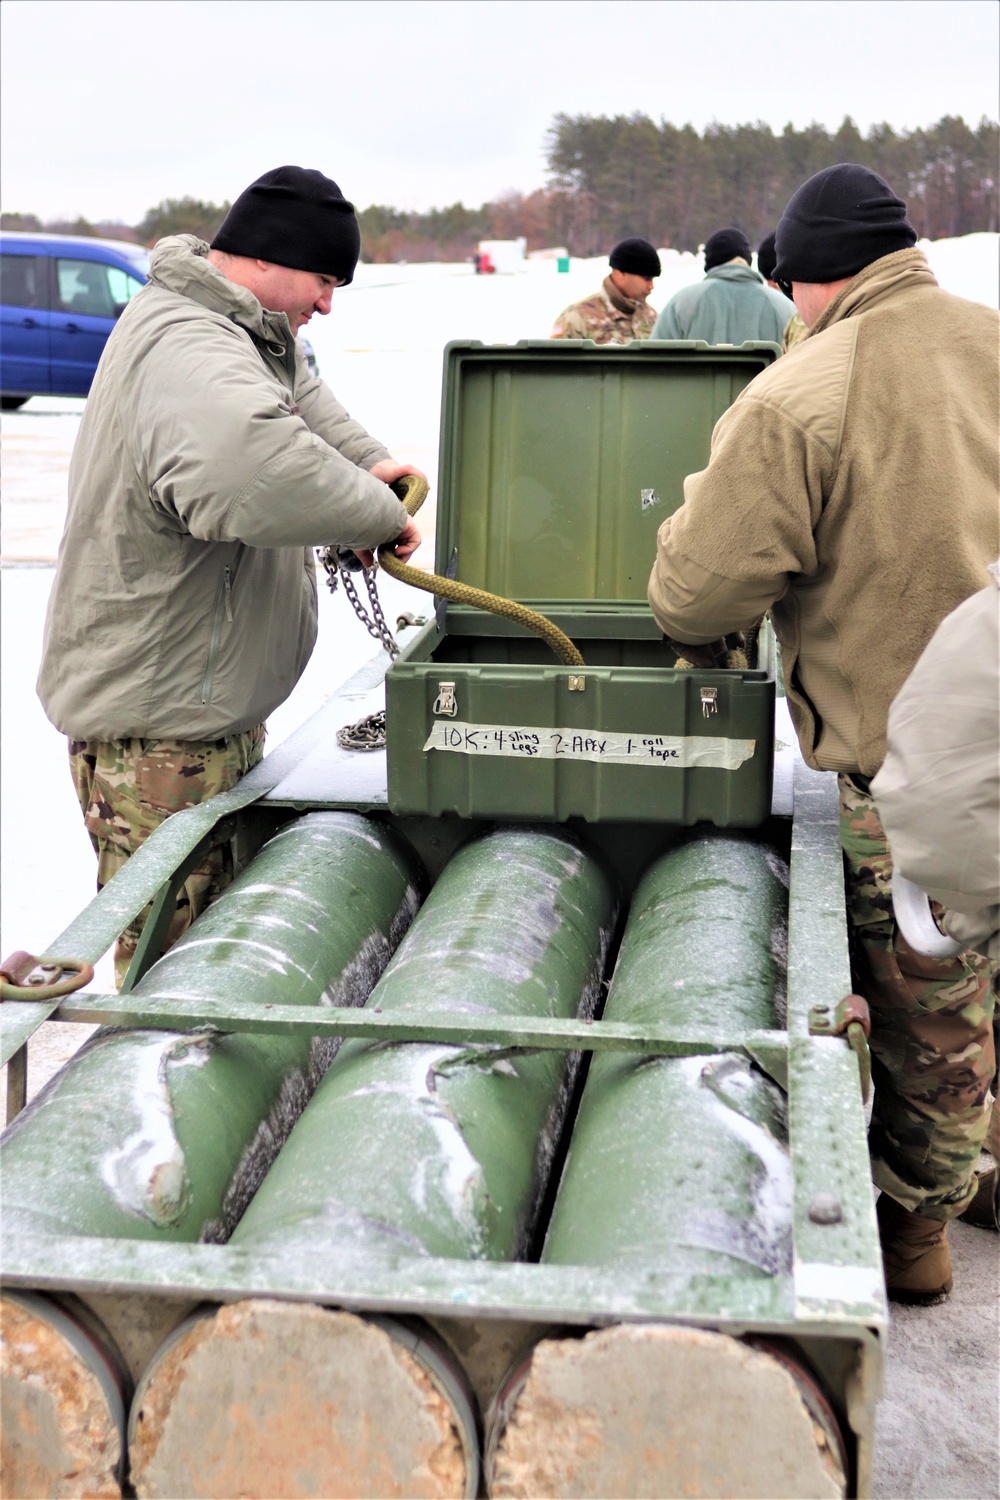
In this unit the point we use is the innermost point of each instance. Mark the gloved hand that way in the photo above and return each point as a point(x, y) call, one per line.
point(728, 652)
point(349, 560)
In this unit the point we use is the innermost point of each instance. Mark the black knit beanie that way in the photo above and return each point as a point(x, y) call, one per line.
point(294, 217)
point(837, 223)
point(767, 257)
point(724, 244)
point(635, 258)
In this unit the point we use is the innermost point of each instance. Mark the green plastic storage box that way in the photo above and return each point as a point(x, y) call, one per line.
point(559, 461)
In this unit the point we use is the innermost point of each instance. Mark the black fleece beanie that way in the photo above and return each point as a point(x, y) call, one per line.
point(635, 258)
point(767, 257)
point(723, 245)
point(837, 223)
point(294, 216)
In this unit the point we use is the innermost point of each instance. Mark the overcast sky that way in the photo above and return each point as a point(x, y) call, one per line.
point(109, 106)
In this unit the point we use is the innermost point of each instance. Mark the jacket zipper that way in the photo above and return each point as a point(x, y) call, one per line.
point(223, 609)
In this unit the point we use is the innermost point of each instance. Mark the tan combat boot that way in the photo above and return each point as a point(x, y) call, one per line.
point(915, 1254)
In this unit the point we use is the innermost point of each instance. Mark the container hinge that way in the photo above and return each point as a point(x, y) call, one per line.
point(709, 701)
point(577, 684)
point(445, 702)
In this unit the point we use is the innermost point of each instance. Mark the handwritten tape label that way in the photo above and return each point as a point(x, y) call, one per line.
point(597, 745)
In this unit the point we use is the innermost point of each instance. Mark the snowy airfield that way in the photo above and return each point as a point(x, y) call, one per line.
point(381, 351)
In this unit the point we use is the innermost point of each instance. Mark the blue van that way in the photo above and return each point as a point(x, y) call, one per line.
point(60, 297)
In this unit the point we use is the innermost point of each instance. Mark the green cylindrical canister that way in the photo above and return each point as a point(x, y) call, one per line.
point(405, 1147)
point(658, 1409)
point(264, 1398)
point(150, 1134)
point(435, 1148)
point(63, 1395)
point(683, 1162)
point(681, 1165)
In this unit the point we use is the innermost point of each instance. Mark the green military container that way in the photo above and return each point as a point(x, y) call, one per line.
point(559, 461)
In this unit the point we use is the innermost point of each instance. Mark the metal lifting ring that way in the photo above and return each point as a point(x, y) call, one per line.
point(18, 979)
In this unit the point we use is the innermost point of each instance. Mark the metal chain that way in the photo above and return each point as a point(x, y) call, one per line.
point(367, 733)
point(374, 623)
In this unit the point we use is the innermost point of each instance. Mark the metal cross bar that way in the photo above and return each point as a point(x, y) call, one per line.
point(404, 1283)
point(231, 1015)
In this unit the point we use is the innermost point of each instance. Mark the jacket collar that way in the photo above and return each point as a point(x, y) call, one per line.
point(730, 272)
point(902, 271)
point(180, 264)
point(618, 299)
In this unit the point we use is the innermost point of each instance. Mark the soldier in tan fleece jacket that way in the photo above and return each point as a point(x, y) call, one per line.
point(852, 491)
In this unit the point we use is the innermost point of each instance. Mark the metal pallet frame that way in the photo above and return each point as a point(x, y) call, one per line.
point(834, 1291)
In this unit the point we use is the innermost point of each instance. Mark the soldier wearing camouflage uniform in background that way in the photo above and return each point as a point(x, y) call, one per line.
point(619, 312)
point(209, 463)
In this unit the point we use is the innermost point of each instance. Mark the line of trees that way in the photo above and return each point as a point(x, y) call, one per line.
point(627, 175)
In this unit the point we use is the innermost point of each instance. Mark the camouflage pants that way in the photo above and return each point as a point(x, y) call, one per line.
point(932, 1038)
point(126, 790)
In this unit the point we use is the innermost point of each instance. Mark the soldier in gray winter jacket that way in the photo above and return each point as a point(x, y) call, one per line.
point(209, 463)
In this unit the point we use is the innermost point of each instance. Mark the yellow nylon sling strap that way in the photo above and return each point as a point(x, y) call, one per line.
point(412, 490)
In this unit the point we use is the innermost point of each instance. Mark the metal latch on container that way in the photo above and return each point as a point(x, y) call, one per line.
point(577, 684)
point(851, 1018)
point(446, 702)
point(709, 702)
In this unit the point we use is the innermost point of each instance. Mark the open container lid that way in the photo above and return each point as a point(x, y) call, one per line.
point(560, 459)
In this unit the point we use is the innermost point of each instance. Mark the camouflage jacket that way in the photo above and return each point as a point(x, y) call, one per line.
point(599, 318)
point(208, 463)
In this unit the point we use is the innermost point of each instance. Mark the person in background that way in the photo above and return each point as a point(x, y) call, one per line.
point(852, 491)
point(619, 312)
point(209, 462)
point(732, 305)
point(938, 794)
point(767, 259)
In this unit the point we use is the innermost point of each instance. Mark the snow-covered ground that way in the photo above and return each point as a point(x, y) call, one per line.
point(381, 351)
